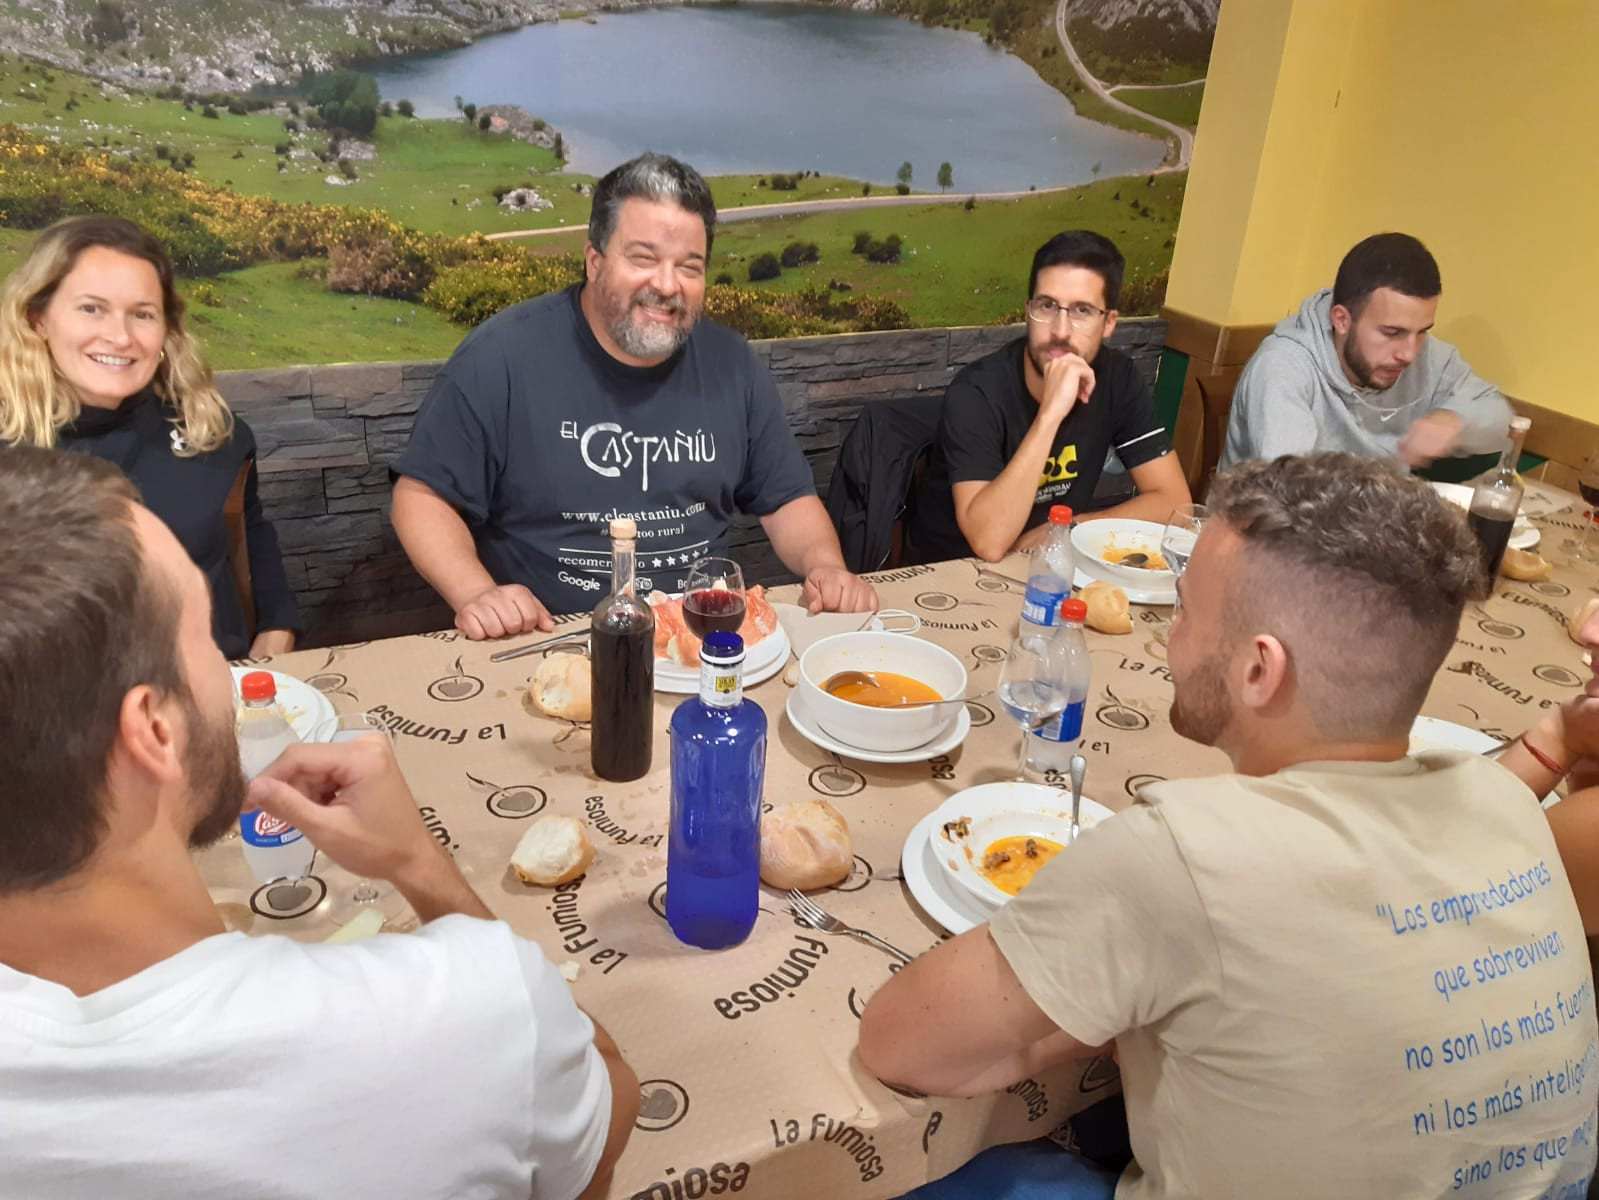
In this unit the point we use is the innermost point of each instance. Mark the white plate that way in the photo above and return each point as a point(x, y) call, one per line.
point(954, 735)
point(302, 704)
point(1134, 595)
point(987, 802)
point(1524, 535)
point(761, 662)
point(1090, 539)
point(932, 888)
point(1433, 734)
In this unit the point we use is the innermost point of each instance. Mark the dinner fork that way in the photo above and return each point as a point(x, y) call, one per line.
point(819, 918)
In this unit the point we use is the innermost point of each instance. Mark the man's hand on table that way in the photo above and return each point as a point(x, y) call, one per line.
point(503, 611)
point(835, 589)
point(352, 802)
point(1429, 438)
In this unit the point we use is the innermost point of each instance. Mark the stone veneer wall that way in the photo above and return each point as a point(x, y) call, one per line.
point(326, 436)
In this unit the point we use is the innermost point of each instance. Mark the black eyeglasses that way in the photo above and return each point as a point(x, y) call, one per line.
point(1045, 310)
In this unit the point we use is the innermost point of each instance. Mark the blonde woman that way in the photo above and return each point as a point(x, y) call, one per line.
point(94, 358)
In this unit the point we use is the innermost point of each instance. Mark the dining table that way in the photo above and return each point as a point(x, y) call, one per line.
point(749, 1076)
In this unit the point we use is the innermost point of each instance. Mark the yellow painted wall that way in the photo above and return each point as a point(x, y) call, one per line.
point(1469, 123)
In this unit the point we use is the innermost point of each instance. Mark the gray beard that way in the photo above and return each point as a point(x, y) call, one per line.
point(651, 341)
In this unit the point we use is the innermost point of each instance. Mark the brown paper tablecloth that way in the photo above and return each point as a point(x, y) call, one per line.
point(747, 1056)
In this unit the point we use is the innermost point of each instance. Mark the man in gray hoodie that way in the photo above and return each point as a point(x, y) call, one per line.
point(1355, 369)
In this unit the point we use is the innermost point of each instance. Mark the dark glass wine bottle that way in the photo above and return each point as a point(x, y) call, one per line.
point(1495, 501)
point(622, 647)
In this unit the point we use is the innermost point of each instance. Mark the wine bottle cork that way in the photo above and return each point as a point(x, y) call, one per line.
point(625, 528)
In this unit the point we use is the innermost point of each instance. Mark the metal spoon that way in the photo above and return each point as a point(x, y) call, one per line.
point(1136, 559)
point(1078, 767)
point(934, 703)
point(849, 679)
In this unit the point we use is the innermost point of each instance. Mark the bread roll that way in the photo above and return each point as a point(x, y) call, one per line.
point(563, 687)
point(1579, 619)
point(1523, 564)
point(553, 850)
point(805, 846)
point(1107, 608)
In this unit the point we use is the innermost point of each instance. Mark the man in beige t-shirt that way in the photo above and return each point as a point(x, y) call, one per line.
point(1342, 971)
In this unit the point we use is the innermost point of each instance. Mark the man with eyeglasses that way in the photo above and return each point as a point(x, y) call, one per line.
point(1031, 425)
point(610, 399)
point(1356, 369)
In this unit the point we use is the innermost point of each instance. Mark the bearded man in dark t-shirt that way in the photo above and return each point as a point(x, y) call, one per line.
point(611, 399)
point(1030, 426)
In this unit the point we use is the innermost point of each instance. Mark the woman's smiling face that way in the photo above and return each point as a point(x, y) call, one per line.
point(106, 325)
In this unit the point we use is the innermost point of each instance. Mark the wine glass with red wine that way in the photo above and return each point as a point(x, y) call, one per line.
point(713, 601)
point(1588, 485)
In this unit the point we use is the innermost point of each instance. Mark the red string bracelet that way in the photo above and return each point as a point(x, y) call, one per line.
point(1544, 760)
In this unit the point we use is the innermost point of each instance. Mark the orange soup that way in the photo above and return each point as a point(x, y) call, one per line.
point(1010, 863)
point(1114, 555)
point(892, 690)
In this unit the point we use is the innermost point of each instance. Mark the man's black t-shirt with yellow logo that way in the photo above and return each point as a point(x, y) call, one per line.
point(988, 411)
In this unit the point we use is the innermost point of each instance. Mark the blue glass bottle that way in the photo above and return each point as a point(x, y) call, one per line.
point(713, 858)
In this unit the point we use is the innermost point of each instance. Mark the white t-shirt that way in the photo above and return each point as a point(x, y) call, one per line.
point(451, 1062)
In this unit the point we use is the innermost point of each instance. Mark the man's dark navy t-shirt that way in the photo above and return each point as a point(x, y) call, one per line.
point(539, 438)
point(988, 411)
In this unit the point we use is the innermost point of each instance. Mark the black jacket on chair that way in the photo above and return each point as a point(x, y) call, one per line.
point(876, 466)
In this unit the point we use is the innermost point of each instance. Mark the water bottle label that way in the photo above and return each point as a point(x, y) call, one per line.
point(1040, 607)
point(260, 829)
point(1067, 727)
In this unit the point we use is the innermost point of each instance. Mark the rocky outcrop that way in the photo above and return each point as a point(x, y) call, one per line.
point(520, 124)
point(204, 46)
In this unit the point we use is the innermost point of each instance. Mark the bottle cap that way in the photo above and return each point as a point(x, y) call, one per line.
point(624, 528)
point(258, 685)
point(1073, 610)
point(720, 647)
point(1060, 514)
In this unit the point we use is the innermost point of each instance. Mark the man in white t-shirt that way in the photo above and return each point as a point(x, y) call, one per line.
point(1344, 970)
point(145, 1052)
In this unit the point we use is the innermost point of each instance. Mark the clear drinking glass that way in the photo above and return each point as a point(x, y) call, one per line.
point(346, 903)
point(713, 599)
point(1029, 690)
point(1182, 531)
point(1588, 485)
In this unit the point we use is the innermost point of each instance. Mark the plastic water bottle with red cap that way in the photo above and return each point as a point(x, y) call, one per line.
point(1052, 746)
point(1049, 577)
point(274, 849)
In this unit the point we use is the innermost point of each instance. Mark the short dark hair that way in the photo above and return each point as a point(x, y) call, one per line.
point(82, 622)
point(650, 177)
point(1361, 569)
point(1082, 248)
point(1386, 260)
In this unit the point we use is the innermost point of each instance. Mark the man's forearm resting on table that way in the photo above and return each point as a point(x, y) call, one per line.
point(992, 515)
point(1161, 488)
point(802, 534)
point(438, 543)
point(624, 1110)
point(957, 1022)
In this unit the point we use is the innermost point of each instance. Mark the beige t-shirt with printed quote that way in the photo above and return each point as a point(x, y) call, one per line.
point(1344, 980)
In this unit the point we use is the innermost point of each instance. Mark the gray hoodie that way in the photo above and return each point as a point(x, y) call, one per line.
point(1293, 397)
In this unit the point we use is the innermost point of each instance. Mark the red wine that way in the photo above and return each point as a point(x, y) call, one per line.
point(623, 735)
point(713, 610)
point(1492, 533)
point(1590, 492)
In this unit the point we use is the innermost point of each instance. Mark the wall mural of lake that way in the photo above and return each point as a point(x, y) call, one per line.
point(759, 88)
